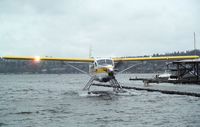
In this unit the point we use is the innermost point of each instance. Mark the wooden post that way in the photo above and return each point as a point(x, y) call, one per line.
point(178, 71)
point(197, 69)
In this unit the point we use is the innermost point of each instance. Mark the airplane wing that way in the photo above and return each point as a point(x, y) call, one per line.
point(87, 60)
point(155, 58)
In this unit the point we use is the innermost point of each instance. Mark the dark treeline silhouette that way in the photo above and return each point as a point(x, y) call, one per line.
point(57, 67)
point(182, 53)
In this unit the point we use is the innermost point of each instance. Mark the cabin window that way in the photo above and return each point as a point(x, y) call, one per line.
point(101, 62)
point(109, 62)
point(105, 62)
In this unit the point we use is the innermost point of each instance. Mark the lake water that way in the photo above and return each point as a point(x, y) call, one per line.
point(52, 100)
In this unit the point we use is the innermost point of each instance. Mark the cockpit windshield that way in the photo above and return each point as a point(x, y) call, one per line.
point(104, 62)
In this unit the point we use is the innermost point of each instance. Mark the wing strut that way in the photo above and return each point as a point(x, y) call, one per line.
point(129, 68)
point(78, 69)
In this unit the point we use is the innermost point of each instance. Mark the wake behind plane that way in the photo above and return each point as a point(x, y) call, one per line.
point(100, 69)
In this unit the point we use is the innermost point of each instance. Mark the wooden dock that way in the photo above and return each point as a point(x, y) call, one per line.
point(157, 80)
point(185, 72)
point(156, 90)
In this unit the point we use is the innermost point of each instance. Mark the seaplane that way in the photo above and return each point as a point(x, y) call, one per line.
point(100, 69)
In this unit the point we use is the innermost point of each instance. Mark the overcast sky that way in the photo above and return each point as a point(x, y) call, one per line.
point(67, 28)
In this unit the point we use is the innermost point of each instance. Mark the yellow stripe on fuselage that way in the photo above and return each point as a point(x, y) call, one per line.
point(102, 70)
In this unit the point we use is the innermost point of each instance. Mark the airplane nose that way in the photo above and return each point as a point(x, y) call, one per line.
point(110, 69)
point(110, 72)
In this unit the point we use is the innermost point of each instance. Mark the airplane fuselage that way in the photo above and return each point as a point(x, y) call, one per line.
point(102, 69)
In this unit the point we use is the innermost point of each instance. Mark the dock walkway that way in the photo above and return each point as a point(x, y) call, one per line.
point(166, 89)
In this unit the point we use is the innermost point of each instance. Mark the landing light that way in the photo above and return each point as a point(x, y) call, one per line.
point(37, 59)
